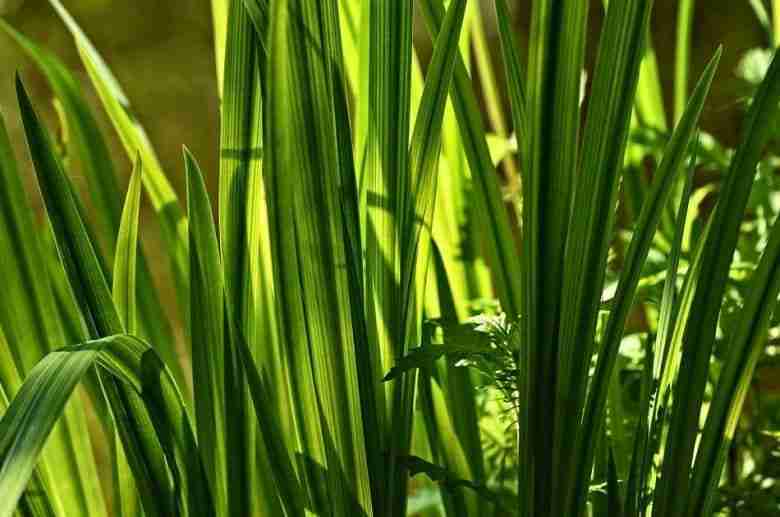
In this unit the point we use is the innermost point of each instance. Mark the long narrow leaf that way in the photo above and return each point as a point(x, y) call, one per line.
point(28, 422)
point(701, 323)
point(550, 154)
point(315, 317)
point(96, 165)
point(207, 331)
point(161, 194)
point(745, 348)
point(124, 278)
point(490, 211)
point(90, 289)
point(652, 210)
point(621, 49)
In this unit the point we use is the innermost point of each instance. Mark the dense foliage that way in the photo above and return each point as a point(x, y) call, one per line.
point(392, 309)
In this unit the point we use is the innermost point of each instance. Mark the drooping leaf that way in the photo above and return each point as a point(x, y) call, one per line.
point(143, 446)
point(33, 412)
point(31, 417)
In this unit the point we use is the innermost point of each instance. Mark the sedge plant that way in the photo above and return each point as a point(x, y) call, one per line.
point(364, 214)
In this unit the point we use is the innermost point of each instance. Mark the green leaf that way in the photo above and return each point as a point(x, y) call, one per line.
point(33, 412)
point(655, 385)
point(613, 487)
point(240, 210)
point(124, 294)
point(96, 165)
point(259, 12)
point(86, 276)
point(219, 18)
point(744, 351)
point(308, 211)
point(92, 295)
point(288, 489)
point(514, 75)
point(701, 323)
point(32, 327)
point(31, 417)
point(206, 332)
point(444, 477)
point(446, 447)
point(417, 212)
point(650, 108)
point(653, 208)
point(163, 198)
point(621, 48)
point(426, 356)
point(124, 278)
point(682, 61)
point(417, 194)
point(550, 162)
point(490, 211)
point(136, 365)
point(383, 128)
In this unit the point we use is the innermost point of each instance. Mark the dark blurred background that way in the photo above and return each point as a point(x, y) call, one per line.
point(161, 52)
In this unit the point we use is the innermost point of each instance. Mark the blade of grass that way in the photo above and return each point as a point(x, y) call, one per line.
point(316, 326)
point(88, 284)
point(241, 151)
point(650, 108)
point(133, 363)
point(655, 355)
point(386, 95)
point(96, 164)
point(291, 498)
point(166, 204)
point(514, 75)
point(41, 400)
point(744, 350)
point(350, 17)
point(550, 154)
point(776, 22)
point(20, 441)
point(621, 48)
point(31, 325)
point(701, 324)
point(123, 290)
point(207, 331)
point(447, 448)
point(665, 178)
point(39, 500)
point(259, 11)
point(125, 263)
point(682, 58)
point(219, 19)
point(415, 212)
point(384, 115)
point(491, 213)
point(488, 81)
point(461, 405)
